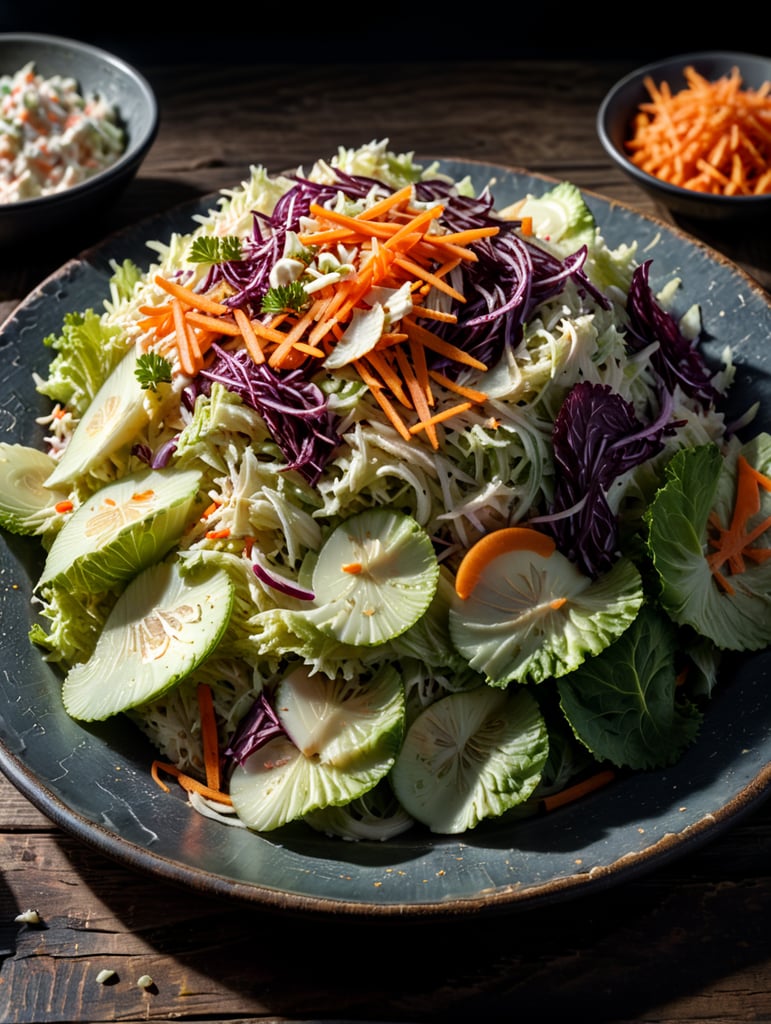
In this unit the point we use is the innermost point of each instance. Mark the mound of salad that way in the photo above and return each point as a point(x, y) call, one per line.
point(377, 508)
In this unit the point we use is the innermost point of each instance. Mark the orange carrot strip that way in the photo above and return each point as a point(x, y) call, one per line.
point(431, 278)
point(492, 546)
point(251, 341)
point(209, 736)
point(439, 345)
point(390, 378)
point(212, 323)
point(189, 354)
point(398, 198)
point(376, 390)
point(187, 782)
point(440, 417)
point(437, 314)
point(459, 389)
point(579, 789)
point(418, 396)
point(191, 298)
point(464, 237)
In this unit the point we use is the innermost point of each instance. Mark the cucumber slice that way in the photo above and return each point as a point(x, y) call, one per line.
point(374, 578)
point(471, 756)
point(343, 738)
point(120, 408)
point(531, 616)
point(121, 529)
point(162, 627)
point(26, 505)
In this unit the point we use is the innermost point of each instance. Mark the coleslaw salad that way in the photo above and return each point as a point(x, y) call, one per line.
point(341, 483)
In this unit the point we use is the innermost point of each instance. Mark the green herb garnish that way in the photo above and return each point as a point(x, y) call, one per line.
point(151, 370)
point(211, 249)
point(285, 298)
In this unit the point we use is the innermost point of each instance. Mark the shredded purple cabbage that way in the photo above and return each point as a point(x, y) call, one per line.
point(596, 438)
point(502, 287)
point(295, 409)
point(676, 361)
point(259, 726)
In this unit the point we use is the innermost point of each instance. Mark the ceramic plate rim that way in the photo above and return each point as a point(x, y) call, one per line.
point(447, 877)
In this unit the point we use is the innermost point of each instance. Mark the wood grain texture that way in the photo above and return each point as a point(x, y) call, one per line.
point(688, 942)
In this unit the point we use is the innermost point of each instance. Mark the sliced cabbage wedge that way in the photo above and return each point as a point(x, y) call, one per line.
point(531, 617)
point(342, 739)
point(120, 408)
point(701, 484)
point(471, 756)
point(375, 575)
point(121, 529)
point(162, 626)
point(27, 506)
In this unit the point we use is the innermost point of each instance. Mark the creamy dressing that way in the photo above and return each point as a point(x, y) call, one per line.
point(51, 136)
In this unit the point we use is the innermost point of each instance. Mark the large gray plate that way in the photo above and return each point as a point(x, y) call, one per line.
point(94, 781)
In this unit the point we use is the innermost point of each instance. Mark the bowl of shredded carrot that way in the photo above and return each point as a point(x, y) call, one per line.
point(694, 131)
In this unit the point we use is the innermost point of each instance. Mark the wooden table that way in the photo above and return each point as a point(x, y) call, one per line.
point(687, 942)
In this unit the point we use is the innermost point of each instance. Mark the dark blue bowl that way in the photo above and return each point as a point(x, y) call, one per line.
point(618, 109)
point(95, 71)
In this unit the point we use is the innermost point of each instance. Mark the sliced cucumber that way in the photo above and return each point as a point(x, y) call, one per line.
point(121, 529)
point(471, 756)
point(561, 214)
point(343, 738)
point(532, 616)
point(118, 411)
point(375, 576)
point(26, 505)
point(162, 626)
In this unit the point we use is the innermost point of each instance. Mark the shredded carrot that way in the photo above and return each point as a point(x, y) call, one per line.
point(218, 534)
point(395, 246)
point(251, 341)
point(580, 789)
point(187, 782)
point(64, 506)
point(492, 546)
point(734, 544)
point(190, 361)
point(440, 417)
point(711, 136)
point(190, 298)
point(209, 736)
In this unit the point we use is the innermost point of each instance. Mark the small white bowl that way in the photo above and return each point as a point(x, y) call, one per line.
point(30, 221)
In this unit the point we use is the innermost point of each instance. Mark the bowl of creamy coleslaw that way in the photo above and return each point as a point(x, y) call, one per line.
point(76, 122)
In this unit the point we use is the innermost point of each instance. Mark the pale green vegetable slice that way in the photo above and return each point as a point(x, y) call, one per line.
point(343, 738)
point(26, 504)
point(376, 574)
point(699, 494)
point(560, 215)
point(121, 529)
point(532, 616)
point(162, 626)
point(471, 756)
point(112, 420)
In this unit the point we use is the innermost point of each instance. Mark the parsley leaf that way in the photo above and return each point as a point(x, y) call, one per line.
point(285, 298)
point(212, 249)
point(151, 370)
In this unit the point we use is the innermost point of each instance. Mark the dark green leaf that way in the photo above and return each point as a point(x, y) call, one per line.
point(152, 369)
point(623, 703)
